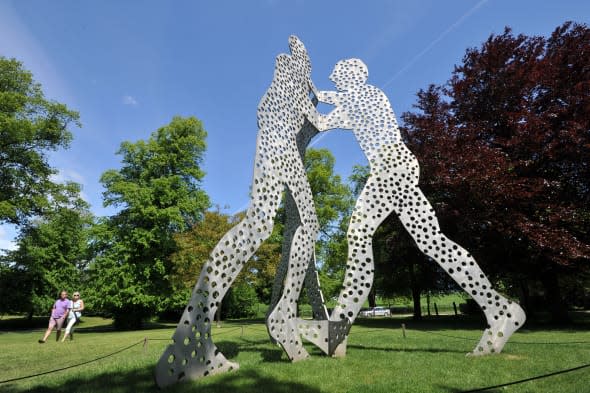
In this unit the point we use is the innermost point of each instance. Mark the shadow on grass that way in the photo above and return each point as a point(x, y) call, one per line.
point(581, 321)
point(401, 350)
point(142, 380)
point(275, 353)
point(268, 352)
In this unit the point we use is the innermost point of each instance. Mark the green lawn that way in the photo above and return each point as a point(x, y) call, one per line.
point(430, 359)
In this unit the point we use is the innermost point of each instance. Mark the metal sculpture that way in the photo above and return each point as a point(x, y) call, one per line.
point(392, 187)
point(277, 165)
point(287, 120)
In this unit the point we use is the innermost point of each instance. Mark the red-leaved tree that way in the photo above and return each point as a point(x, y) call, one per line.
point(504, 148)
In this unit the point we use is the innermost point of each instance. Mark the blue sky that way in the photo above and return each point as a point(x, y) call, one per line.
point(129, 66)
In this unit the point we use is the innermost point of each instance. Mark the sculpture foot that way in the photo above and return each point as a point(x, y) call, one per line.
point(338, 335)
point(495, 337)
point(340, 350)
point(316, 332)
point(176, 366)
point(285, 333)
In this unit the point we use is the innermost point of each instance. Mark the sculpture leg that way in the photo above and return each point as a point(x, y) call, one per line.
point(395, 175)
point(282, 322)
point(315, 332)
point(504, 317)
point(193, 354)
point(366, 217)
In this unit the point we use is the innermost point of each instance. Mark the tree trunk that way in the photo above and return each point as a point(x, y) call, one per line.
point(218, 315)
point(524, 297)
point(557, 306)
point(416, 290)
point(372, 298)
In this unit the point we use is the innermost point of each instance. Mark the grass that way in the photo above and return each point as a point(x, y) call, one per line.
point(430, 359)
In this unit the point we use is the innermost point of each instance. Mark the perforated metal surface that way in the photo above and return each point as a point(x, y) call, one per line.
point(281, 115)
point(392, 187)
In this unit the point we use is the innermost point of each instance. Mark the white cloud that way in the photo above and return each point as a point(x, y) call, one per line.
point(64, 175)
point(129, 100)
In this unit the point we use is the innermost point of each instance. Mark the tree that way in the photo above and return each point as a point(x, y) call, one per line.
point(333, 203)
point(331, 197)
point(504, 148)
point(50, 255)
point(400, 268)
point(158, 192)
point(192, 251)
point(195, 245)
point(333, 251)
point(30, 126)
point(240, 301)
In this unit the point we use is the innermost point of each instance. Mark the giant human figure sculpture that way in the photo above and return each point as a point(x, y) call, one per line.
point(392, 186)
point(281, 115)
point(287, 118)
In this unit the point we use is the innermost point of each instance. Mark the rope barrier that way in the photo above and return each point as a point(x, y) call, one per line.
point(511, 341)
point(526, 380)
point(72, 366)
point(262, 329)
point(475, 339)
point(143, 341)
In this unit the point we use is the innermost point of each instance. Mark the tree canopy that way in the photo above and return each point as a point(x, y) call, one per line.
point(51, 255)
point(30, 127)
point(158, 192)
point(504, 148)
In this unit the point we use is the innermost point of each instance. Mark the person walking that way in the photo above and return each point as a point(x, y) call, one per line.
point(59, 312)
point(76, 308)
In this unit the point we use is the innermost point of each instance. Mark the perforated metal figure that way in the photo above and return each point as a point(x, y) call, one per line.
point(281, 115)
point(392, 187)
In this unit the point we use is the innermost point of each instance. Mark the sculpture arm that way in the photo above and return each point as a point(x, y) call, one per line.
point(338, 118)
point(327, 97)
point(314, 91)
point(335, 119)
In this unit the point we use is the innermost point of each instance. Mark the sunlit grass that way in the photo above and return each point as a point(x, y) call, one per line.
point(430, 359)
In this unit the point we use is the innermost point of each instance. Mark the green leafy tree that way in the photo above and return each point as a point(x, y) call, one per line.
point(51, 253)
point(30, 127)
point(332, 199)
point(158, 192)
point(195, 245)
point(193, 249)
point(240, 301)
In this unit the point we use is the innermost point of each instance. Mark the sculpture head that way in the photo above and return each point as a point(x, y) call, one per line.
point(299, 53)
point(349, 73)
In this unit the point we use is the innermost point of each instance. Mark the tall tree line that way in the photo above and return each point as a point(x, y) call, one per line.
point(503, 146)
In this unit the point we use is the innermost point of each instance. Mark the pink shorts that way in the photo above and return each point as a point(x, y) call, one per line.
point(56, 322)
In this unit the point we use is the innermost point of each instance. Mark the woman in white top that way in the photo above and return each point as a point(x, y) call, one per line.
point(76, 307)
